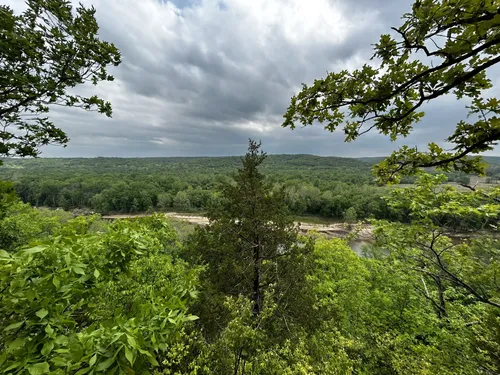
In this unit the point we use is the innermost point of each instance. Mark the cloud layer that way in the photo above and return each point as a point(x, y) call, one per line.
point(200, 77)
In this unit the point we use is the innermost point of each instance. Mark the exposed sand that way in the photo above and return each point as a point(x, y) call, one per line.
point(363, 231)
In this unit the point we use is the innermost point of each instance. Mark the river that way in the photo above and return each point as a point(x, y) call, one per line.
point(337, 230)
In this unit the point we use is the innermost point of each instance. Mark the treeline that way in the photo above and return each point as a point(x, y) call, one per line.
point(493, 171)
point(331, 187)
point(130, 195)
point(335, 188)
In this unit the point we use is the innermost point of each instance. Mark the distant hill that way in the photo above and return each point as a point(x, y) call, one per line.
point(372, 159)
point(286, 161)
point(276, 166)
point(492, 160)
point(273, 161)
point(315, 185)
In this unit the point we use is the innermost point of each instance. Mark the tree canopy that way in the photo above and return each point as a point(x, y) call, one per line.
point(44, 54)
point(443, 47)
point(250, 236)
point(85, 296)
point(246, 294)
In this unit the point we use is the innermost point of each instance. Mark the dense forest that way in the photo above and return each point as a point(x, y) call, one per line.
point(324, 186)
point(247, 293)
point(314, 185)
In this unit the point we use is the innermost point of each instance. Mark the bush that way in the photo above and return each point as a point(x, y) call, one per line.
point(86, 301)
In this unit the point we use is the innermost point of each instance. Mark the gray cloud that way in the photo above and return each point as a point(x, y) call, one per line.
point(200, 77)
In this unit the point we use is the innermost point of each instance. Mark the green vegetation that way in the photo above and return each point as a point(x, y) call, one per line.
point(81, 294)
point(314, 186)
point(325, 186)
point(443, 47)
point(247, 294)
point(44, 53)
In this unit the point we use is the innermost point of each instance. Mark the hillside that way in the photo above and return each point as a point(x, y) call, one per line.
point(376, 159)
point(201, 162)
point(325, 186)
point(276, 166)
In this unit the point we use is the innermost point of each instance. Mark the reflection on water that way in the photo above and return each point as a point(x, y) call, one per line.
point(357, 246)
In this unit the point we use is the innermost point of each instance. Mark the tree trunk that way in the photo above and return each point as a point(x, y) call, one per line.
point(442, 304)
point(257, 296)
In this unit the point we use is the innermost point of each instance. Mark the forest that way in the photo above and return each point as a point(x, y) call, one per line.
point(249, 293)
point(328, 187)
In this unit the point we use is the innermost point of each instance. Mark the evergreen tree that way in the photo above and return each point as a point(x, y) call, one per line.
point(251, 245)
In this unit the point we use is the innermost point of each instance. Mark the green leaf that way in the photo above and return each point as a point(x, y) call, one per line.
point(132, 341)
point(93, 360)
point(16, 344)
point(96, 273)
point(30, 295)
point(56, 282)
point(129, 355)
point(13, 326)
point(153, 361)
point(83, 371)
point(78, 271)
point(42, 313)
point(59, 361)
point(4, 254)
point(104, 365)
point(47, 348)
point(33, 250)
point(191, 317)
point(49, 330)
point(39, 368)
point(61, 339)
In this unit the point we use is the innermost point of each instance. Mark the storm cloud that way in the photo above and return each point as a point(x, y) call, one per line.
point(200, 77)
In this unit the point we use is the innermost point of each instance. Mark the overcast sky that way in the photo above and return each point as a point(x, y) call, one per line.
point(200, 77)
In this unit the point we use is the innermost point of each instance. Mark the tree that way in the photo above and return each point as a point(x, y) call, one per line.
point(426, 249)
point(181, 201)
point(44, 53)
point(164, 201)
point(7, 197)
point(254, 297)
point(443, 47)
point(456, 277)
point(114, 301)
point(251, 243)
point(350, 216)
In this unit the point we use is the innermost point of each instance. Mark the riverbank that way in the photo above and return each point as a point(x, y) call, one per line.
point(362, 232)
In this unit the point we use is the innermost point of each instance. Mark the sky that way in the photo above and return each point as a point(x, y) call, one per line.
point(201, 77)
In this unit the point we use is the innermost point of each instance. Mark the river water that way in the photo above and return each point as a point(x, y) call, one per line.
point(357, 246)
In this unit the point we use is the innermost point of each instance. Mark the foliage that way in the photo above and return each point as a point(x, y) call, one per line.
point(367, 317)
point(23, 224)
point(7, 197)
point(250, 246)
point(457, 278)
point(44, 53)
point(350, 215)
point(83, 296)
point(433, 301)
point(85, 301)
point(20, 223)
point(432, 202)
point(313, 185)
point(444, 46)
point(245, 346)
